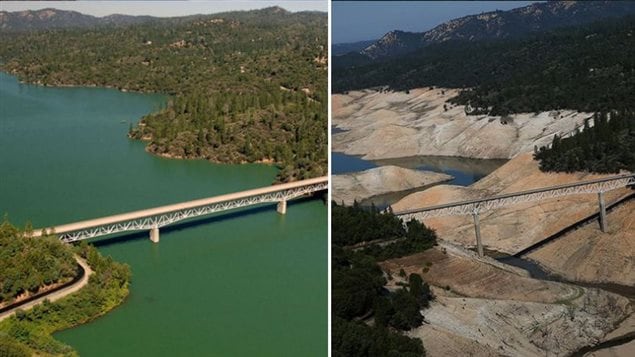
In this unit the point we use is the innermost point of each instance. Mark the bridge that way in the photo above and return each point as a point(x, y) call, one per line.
point(154, 218)
point(474, 207)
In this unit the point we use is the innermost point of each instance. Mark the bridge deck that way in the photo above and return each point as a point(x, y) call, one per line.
point(163, 210)
point(622, 180)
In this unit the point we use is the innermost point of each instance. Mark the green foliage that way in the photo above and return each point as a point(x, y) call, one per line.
point(31, 263)
point(31, 330)
point(244, 86)
point(356, 225)
point(587, 68)
point(606, 147)
point(356, 339)
point(358, 284)
point(11, 348)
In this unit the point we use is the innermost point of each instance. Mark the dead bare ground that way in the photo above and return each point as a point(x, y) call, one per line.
point(587, 254)
point(396, 124)
point(484, 308)
point(491, 312)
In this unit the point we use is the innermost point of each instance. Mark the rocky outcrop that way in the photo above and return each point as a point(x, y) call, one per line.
point(381, 125)
point(361, 185)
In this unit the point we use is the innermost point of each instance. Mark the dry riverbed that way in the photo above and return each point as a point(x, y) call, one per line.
point(487, 309)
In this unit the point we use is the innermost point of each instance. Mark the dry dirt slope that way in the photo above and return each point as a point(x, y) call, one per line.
point(484, 309)
point(516, 227)
point(360, 185)
point(396, 124)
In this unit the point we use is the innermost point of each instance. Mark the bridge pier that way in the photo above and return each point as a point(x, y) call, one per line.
point(603, 222)
point(282, 207)
point(154, 234)
point(477, 229)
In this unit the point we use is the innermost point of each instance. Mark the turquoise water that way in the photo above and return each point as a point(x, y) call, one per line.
point(250, 282)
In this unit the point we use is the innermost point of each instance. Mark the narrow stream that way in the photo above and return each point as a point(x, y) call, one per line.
point(537, 272)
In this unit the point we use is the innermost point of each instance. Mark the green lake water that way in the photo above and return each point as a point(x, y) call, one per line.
point(245, 283)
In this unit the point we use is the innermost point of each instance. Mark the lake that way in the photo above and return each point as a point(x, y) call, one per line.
point(251, 282)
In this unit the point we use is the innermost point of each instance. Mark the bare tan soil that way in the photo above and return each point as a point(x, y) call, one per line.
point(484, 310)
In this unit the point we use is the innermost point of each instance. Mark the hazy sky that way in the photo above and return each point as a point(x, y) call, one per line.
point(369, 20)
point(162, 8)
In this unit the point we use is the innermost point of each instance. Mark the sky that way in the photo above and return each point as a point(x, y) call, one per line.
point(162, 8)
point(369, 20)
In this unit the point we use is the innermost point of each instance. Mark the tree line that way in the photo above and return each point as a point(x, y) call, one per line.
point(607, 146)
point(29, 333)
point(586, 68)
point(358, 291)
point(31, 263)
point(265, 68)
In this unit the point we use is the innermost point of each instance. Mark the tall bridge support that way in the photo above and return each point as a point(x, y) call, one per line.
point(603, 223)
point(282, 207)
point(477, 229)
point(154, 234)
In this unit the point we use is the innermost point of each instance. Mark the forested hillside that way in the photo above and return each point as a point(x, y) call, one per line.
point(28, 264)
point(358, 291)
point(606, 147)
point(588, 68)
point(245, 86)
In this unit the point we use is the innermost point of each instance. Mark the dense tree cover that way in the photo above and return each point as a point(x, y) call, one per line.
point(588, 68)
point(356, 339)
point(31, 330)
point(358, 284)
point(606, 147)
point(31, 263)
point(245, 86)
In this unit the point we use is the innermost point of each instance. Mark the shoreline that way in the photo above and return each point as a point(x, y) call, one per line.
point(52, 295)
point(379, 126)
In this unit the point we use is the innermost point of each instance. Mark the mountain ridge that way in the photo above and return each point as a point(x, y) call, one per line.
point(51, 18)
point(515, 23)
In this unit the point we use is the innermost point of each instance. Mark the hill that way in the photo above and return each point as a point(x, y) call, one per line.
point(515, 23)
point(246, 86)
point(30, 265)
point(344, 48)
point(50, 18)
point(586, 68)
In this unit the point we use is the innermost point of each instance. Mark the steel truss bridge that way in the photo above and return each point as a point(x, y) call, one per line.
point(474, 207)
point(154, 218)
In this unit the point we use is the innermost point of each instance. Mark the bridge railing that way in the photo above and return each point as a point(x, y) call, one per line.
point(154, 218)
point(468, 207)
point(474, 207)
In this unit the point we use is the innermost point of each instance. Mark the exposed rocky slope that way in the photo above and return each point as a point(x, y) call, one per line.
point(514, 23)
point(360, 185)
point(397, 124)
point(477, 298)
point(516, 227)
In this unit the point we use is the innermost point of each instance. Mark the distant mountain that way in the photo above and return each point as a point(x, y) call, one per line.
point(343, 48)
point(52, 18)
point(501, 25)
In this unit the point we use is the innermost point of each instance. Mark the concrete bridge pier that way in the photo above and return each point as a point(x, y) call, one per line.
point(603, 223)
point(154, 234)
point(477, 229)
point(282, 207)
